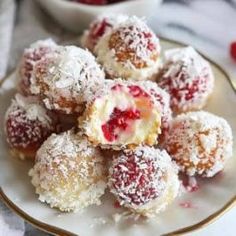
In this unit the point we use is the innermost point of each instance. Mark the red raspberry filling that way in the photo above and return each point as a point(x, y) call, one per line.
point(132, 177)
point(119, 121)
point(136, 91)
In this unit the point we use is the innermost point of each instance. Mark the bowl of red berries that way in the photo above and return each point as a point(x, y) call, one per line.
point(75, 15)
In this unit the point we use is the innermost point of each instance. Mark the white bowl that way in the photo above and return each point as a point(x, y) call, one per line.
point(76, 16)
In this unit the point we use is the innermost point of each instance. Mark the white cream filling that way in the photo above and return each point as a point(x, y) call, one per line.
point(136, 132)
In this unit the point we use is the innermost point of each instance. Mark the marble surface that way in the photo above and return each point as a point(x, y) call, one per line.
point(208, 25)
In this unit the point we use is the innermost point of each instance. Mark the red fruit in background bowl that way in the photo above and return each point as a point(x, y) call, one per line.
point(115, 1)
point(97, 2)
point(233, 50)
point(92, 2)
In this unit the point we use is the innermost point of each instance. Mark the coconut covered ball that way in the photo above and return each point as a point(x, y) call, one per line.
point(31, 55)
point(200, 143)
point(121, 114)
point(144, 180)
point(27, 124)
point(99, 27)
point(68, 173)
point(65, 78)
point(187, 77)
point(130, 51)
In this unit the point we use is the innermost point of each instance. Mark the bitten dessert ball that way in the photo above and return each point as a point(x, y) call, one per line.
point(68, 173)
point(98, 28)
point(27, 126)
point(65, 78)
point(144, 180)
point(162, 101)
point(130, 51)
point(121, 114)
point(31, 55)
point(188, 78)
point(200, 143)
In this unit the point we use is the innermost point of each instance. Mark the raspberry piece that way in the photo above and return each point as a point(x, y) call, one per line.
point(118, 120)
point(136, 91)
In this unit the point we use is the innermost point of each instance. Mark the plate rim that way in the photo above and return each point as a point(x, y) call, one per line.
point(203, 223)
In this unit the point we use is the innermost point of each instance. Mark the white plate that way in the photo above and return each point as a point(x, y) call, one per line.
point(214, 197)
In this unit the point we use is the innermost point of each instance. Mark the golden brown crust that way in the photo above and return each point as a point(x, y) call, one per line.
point(124, 53)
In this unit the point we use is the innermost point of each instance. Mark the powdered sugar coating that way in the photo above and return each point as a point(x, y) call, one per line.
point(66, 78)
point(162, 101)
point(200, 143)
point(131, 51)
point(69, 174)
point(138, 117)
point(31, 55)
point(187, 77)
point(99, 27)
point(27, 124)
point(144, 180)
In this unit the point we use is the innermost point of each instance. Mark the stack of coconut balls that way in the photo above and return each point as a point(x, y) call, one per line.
point(121, 96)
